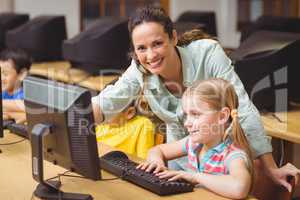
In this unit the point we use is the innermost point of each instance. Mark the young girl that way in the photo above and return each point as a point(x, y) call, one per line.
point(218, 160)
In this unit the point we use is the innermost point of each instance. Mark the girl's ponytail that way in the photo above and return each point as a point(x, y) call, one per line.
point(238, 135)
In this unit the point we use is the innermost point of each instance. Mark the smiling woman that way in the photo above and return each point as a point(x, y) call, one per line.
point(155, 50)
point(161, 70)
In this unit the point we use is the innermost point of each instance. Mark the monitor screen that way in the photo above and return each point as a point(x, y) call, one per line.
point(67, 111)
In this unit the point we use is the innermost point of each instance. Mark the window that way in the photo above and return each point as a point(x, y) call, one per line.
point(94, 9)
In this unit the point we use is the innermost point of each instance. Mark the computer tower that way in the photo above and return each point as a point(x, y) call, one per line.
point(40, 37)
point(102, 46)
point(10, 21)
point(268, 65)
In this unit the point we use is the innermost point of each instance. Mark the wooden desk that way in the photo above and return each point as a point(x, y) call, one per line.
point(283, 125)
point(16, 182)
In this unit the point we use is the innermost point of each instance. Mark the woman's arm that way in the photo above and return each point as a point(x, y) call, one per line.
point(114, 98)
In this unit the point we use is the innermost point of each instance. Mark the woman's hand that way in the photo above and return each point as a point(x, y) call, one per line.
point(279, 175)
point(172, 175)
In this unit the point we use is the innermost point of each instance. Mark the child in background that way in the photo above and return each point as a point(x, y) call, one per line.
point(128, 132)
point(218, 160)
point(14, 64)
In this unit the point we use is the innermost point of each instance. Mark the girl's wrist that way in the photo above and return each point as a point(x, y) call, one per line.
point(197, 178)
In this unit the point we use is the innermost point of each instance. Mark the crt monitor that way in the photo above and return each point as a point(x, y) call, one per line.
point(61, 127)
point(1, 112)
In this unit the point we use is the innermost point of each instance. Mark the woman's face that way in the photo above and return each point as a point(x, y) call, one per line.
point(153, 47)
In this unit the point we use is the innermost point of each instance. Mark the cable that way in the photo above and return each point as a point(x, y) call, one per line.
point(277, 118)
point(282, 153)
point(3, 144)
point(76, 176)
point(107, 179)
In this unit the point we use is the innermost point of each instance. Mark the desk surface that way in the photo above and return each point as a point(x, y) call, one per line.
point(284, 125)
point(16, 182)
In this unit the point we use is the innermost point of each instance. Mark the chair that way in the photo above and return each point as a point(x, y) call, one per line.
point(266, 189)
point(202, 17)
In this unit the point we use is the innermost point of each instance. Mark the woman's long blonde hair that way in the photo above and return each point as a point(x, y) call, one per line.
point(219, 93)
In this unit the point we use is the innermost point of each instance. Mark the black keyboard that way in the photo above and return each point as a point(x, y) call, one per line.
point(7, 122)
point(19, 129)
point(117, 163)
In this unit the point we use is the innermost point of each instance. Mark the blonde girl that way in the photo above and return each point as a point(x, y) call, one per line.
point(219, 160)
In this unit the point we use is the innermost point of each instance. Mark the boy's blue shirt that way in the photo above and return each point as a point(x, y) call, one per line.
point(19, 94)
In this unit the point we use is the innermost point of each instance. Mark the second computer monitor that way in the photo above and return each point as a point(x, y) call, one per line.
point(66, 110)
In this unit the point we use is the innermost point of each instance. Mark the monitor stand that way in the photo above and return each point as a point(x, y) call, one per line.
point(47, 190)
point(43, 191)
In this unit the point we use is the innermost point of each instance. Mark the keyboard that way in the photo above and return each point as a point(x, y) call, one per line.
point(19, 129)
point(5, 123)
point(117, 163)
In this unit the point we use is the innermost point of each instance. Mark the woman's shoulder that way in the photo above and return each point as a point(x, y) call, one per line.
point(133, 68)
point(203, 44)
point(133, 72)
point(202, 48)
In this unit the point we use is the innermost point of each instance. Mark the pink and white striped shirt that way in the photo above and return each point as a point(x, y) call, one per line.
point(216, 160)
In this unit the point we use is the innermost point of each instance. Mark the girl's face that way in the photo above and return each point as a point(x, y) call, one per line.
point(153, 47)
point(9, 76)
point(204, 124)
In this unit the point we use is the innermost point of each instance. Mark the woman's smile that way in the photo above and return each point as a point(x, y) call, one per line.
point(155, 64)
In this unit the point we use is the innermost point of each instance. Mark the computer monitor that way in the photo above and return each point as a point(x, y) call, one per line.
point(61, 127)
point(41, 37)
point(103, 46)
point(1, 112)
point(267, 64)
point(9, 21)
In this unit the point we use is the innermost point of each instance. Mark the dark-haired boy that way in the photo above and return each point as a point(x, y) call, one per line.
point(14, 64)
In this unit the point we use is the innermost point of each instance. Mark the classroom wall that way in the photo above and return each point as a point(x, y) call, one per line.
point(69, 8)
point(6, 6)
point(226, 16)
point(226, 13)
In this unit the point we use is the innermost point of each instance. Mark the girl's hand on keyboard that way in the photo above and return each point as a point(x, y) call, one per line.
point(155, 162)
point(152, 166)
point(172, 175)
